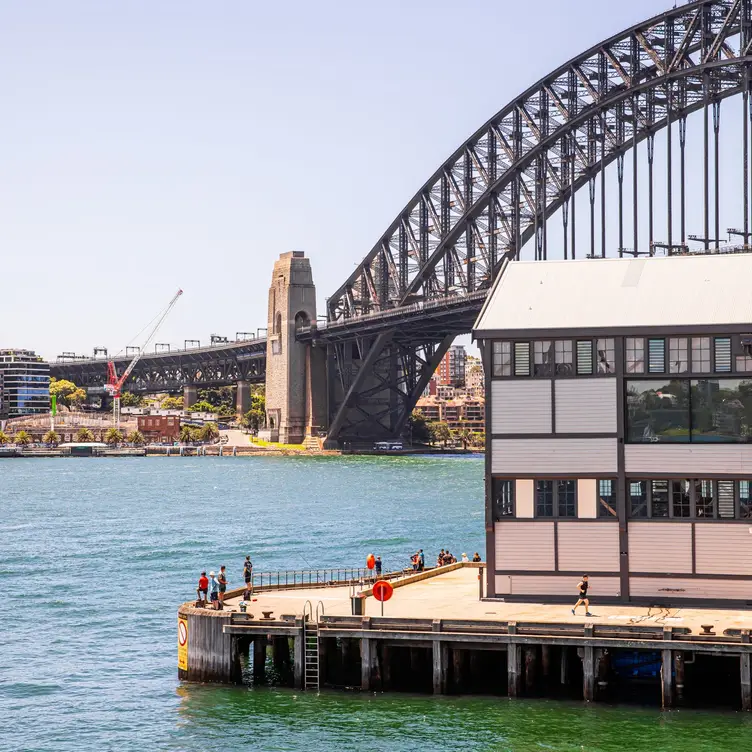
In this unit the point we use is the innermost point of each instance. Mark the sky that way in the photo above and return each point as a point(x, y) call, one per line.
point(151, 145)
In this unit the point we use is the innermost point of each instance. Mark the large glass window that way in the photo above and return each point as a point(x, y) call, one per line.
point(606, 356)
point(696, 498)
point(502, 358)
point(701, 354)
point(678, 359)
point(503, 498)
point(555, 498)
point(658, 411)
point(606, 498)
point(521, 358)
point(680, 498)
point(659, 498)
point(704, 498)
point(721, 410)
point(542, 358)
point(638, 498)
point(563, 356)
point(634, 355)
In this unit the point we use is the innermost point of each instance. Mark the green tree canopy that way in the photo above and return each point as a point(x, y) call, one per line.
point(202, 406)
point(208, 432)
point(52, 438)
point(113, 437)
point(172, 403)
point(419, 426)
point(67, 393)
point(84, 435)
point(187, 434)
point(136, 438)
point(440, 432)
point(22, 438)
point(129, 399)
point(4, 438)
point(219, 396)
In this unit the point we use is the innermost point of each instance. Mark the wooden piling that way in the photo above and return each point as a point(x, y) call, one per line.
point(368, 660)
point(746, 676)
point(564, 671)
point(259, 659)
point(440, 661)
point(514, 664)
point(281, 654)
point(667, 672)
point(299, 651)
point(458, 669)
point(546, 661)
point(385, 665)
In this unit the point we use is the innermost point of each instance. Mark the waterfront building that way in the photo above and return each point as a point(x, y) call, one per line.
point(25, 383)
point(457, 412)
point(159, 429)
point(620, 429)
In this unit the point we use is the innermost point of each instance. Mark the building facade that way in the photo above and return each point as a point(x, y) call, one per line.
point(25, 380)
point(159, 429)
point(451, 370)
point(619, 429)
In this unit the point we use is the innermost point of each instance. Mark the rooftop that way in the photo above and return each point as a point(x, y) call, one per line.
point(625, 294)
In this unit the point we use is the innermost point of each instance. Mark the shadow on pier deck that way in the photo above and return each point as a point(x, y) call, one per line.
point(437, 635)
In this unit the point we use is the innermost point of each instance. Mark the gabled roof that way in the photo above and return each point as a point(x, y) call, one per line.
point(623, 294)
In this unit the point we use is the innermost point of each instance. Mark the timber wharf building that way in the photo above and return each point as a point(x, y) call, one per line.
point(619, 425)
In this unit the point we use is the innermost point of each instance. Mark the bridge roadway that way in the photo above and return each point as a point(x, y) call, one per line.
point(213, 366)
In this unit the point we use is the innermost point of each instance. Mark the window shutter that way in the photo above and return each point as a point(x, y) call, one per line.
point(726, 498)
point(584, 357)
point(656, 356)
point(723, 355)
point(521, 358)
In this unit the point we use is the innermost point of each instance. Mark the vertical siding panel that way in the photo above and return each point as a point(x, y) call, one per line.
point(521, 406)
point(670, 588)
point(723, 549)
point(690, 460)
point(553, 456)
point(587, 499)
point(553, 586)
point(524, 499)
point(525, 545)
point(588, 546)
point(660, 547)
point(586, 405)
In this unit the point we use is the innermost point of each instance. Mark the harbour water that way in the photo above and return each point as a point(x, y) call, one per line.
point(95, 555)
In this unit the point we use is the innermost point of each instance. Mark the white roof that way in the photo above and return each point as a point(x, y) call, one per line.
point(666, 291)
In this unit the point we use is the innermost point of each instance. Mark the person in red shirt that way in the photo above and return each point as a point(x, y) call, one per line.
point(203, 587)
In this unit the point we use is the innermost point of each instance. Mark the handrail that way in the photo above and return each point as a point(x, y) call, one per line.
point(292, 578)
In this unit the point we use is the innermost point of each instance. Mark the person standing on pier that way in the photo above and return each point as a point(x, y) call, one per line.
point(421, 560)
point(222, 585)
point(203, 587)
point(378, 566)
point(582, 596)
point(214, 591)
point(248, 572)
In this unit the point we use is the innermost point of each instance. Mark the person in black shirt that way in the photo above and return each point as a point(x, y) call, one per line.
point(476, 558)
point(582, 596)
point(378, 566)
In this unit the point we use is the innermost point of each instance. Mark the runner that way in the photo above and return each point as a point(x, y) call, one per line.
point(582, 596)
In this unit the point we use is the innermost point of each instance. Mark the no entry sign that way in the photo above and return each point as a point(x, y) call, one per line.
point(382, 591)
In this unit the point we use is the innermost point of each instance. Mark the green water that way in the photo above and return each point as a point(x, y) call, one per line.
point(95, 556)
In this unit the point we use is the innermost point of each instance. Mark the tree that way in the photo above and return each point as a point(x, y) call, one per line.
point(51, 438)
point(464, 435)
point(187, 434)
point(217, 397)
point(22, 438)
point(225, 412)
point(113, 437)
point(419, 426)
point(4, 438)
point(440, 432)
point(84, 435)
point(202, 406)
point(172, 403)
point(129, 399)
point(136, 438)
point(67, 393)
point(208, 432)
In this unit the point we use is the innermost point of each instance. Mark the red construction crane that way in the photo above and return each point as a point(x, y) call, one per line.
point(115, 383)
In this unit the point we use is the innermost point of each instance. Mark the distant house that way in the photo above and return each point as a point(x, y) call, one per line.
point(619, 420)
point(159, 429)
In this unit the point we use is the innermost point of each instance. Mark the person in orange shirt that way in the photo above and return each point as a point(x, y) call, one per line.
point(203, 587)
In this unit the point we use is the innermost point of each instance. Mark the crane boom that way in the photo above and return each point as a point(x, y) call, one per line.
point(115, 383)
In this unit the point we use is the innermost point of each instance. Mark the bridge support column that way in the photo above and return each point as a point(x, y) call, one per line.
point(243, 398)
point(190, 396)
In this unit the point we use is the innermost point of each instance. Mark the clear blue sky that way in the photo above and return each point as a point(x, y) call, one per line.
point(151, 145)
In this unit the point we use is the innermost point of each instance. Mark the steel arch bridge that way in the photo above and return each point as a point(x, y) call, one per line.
point(425, 279)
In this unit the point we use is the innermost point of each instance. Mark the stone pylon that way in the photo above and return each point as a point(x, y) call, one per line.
point(295, 372)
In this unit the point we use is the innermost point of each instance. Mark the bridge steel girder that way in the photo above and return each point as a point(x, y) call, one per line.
point(170, 372)
point(495, 193)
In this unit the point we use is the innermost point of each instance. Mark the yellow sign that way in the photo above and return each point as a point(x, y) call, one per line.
point(182, 643)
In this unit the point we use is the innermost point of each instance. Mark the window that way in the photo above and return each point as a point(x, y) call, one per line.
point(634, 353)
point(743, 364)
point(704, 498)
point(745, 499)
point(638, 498)
point(584, 357)
point(521, 358)
point(658, 412)
point(726, 507)
point(722, 354)
point(701, 354)
point(563, 358)
point(542, 359)
point(556, 498)
point(606, 356)
point(656, 356)
point(503, 498)
point(606, 498)
point(721, 410)
point(678, 361)
point(659, 498)
point(502, 358)
point(680, 498)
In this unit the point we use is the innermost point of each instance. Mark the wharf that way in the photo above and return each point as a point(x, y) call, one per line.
point(437, 634)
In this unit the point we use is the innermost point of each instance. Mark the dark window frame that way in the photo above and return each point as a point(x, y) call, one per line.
point(499, 512)
point(555, 502)
point(695, 489)
point(606, 512)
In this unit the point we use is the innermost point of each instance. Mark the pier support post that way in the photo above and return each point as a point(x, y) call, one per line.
point(667, 672)
point(368, 662)
point(588, 668)
point(514, 664)
point(458, 657)
point(746, 676)
point(259, 659)
point(299, 650)
point(679, 674)
point(386, 667)
point(281, 654)
point(564, 674)
point(546, 661)
point(531, 659)
point(440, 661)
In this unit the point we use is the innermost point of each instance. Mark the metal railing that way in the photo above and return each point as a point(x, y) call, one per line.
point(304, 578)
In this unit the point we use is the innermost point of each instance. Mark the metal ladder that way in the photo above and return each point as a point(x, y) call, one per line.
point(311, 666)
